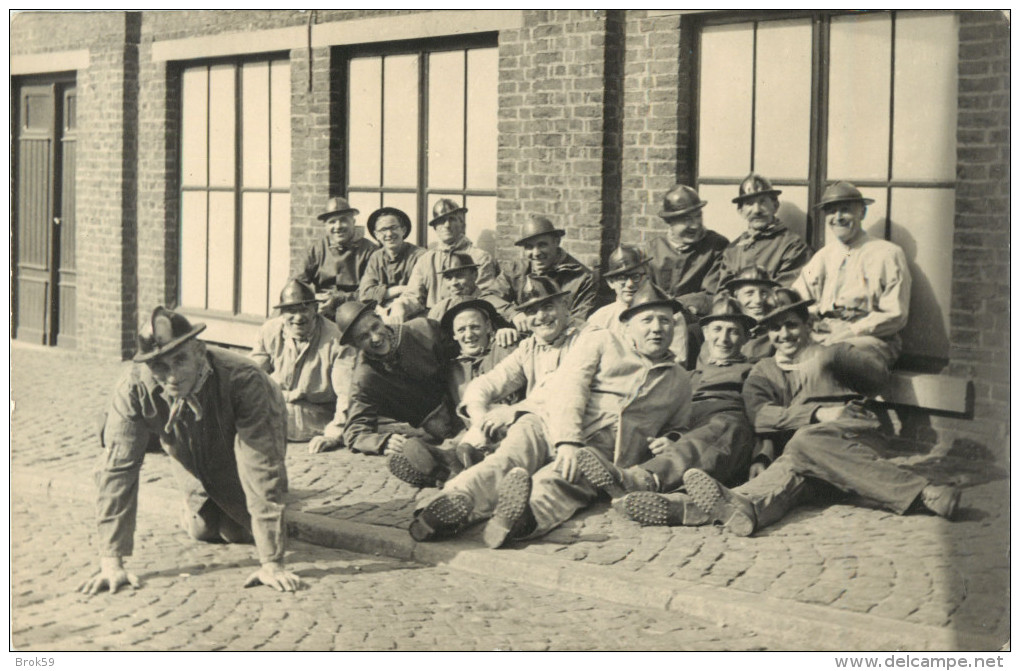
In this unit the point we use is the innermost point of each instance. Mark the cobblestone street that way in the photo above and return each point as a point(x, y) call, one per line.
point(191, 599)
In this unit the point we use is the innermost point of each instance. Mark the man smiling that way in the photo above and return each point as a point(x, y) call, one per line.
point(861, 284)
point(543, 256)
point(335, 264)
point(389, 269)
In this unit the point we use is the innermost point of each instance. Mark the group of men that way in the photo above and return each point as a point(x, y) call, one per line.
point(726, 383)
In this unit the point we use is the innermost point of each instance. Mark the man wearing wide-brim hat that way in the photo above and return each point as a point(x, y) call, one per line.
point(459, 283)
point(400, 404)
point(534, 481)
point(389, 268)
point(336, 262)
point(812, 397)
point(449, 223)
point(542, 255)
point(685, 262)
point(767, 242)
point(223, 423)
point(860, 284)
point(301, 350)
point(753, 289)
point(627, 273)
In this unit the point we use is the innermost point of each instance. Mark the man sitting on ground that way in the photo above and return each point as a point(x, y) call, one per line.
point(720, 438)
point(301, 351)
point(610, 399)
point(459, 283)
point(627, 274)
point(813, 395)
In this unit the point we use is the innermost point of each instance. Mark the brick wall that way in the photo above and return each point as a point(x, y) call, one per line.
point(655, 121)
point(552, 130)
point(106, 160)
point(979, 315)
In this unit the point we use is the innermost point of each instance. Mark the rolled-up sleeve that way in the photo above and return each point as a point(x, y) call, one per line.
point(260, 449)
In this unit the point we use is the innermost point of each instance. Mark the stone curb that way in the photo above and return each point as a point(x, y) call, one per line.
point(801, 626)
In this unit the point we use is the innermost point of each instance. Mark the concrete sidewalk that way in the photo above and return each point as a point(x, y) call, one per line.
point(843, 577)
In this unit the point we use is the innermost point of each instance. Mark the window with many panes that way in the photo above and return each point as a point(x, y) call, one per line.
point(235, 186)
point(422, 125)
point(864, 97)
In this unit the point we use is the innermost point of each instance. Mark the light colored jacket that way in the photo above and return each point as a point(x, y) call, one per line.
point(605, 382)
point(523, 369)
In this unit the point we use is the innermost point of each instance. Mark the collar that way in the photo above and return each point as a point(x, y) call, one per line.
point(687, 246)
point(737, 358)
point(572, 327)
point(806, 354)
point(856, 243)
point(466, 358)
point(177, 404)
point(458, 246)
point(772, 230)
point(311, 335)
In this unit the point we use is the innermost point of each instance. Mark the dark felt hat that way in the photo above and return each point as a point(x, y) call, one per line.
point(650, 296)
point(465, 303)
point(786, 301)
point(538, 289)
point(405, 221)
point(458, 261)
point(336, 206)
point(165, 332)
point(726, 308)
point(348, 314)
point(625, 259)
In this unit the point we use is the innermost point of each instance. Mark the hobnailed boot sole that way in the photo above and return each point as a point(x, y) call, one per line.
point(514, 492)
point(405, 470)
point(595, 472)
point(718, 502)
point(647, 509)
point(444, 515)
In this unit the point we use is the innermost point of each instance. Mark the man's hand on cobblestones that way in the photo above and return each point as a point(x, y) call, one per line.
point(274, 575)
point(322, 444)
point(111, 576)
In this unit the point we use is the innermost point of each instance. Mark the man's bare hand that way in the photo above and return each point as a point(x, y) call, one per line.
point(658, 445)
point(756, 469)
point(566, 461)
point(395, 444)
point(274, 575)
point(322, 444)
point(496, 420)
point(506, 337)
point(520, 322)
point(111, 576)
point(829, 414)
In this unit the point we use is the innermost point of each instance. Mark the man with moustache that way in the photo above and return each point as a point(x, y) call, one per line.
point(810, 397)
point(685, 262)
point(335, 264)
point(389, 268)
point(449, 223)
point(544, 257)
point(612, 396)
point(766, 242)
point(860, 284)
point(301, 351)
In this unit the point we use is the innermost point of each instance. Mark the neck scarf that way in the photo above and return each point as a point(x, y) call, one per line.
point(177, 404)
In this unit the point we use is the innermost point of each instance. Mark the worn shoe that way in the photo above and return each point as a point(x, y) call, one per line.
point(722, 505)
point(942, 500)
point(512, 517)
point(615, 482)
point(675, 510)
point(424, 465)
point(444, 515)
point(402, 467)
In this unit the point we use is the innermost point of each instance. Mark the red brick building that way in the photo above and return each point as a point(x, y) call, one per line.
point(181, 157)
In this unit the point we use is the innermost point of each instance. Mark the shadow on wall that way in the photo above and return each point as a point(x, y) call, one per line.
point(925, 332)
point(487, 241)
point(793, 217)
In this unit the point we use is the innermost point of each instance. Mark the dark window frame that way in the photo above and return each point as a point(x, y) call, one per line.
point(342, 57)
